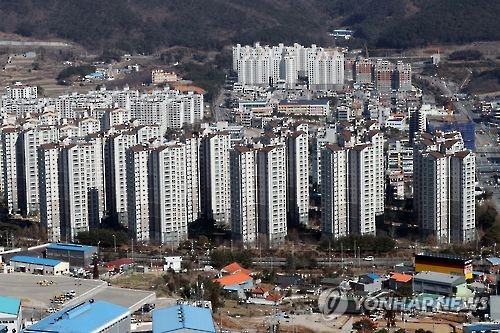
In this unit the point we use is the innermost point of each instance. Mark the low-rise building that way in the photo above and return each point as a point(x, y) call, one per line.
point(316, 107)
point(439, 284)
point(399, 280)
point(40, 266)
point(10, 314)
point(183, 319)
point(173, 263)
point(76, 254)
point(87, 317)
point(368, 283)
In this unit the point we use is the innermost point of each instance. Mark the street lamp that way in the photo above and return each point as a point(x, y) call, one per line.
point(114, 242)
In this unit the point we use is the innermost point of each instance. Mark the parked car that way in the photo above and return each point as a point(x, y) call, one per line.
point(369, 258)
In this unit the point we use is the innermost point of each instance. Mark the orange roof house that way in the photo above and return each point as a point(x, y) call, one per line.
point(235, 268)
point(401, 278)
point(234, 279)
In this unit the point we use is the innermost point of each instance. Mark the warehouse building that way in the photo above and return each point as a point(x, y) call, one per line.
point(444, 263)
point(76, 254)
point(440, 284)
point(40, 266)
point(87, 317)
point(10, 314)
point(183, 318)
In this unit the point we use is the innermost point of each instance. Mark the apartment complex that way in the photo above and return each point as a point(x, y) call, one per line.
point(265, 66)
point(444, 183)
point(352, 180)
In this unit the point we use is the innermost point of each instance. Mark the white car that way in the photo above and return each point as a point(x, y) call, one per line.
point(369, 258)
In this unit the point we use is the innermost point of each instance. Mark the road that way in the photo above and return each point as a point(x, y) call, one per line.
point(324, 261)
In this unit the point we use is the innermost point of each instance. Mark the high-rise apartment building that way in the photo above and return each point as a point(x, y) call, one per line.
point(272, 195)
point(244, 217)
point(138, 192)
point(168, 213)
point(297, 144)
point(192, 142)
point(214, 175)
point(444, 183)
point(353, 194)
point(334, 191)
point(325, 70)
point(363, 71)
point(268, 65)
point(49, 186)
point(82, 186)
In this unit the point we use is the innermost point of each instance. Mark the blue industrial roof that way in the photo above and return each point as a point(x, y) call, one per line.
point(180, 317)
point(493, 260)
point(70, 247)
point(373, 276)
point(35, 260)
point(86, 317)
point(10, 305)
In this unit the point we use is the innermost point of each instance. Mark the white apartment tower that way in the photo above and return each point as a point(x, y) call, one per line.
point(323, 137)
point(191, 142)
point(444, 183)
point(272, 196)
point(214, 175)
point(82, 187)
point(334, 191)
point(462, 189)
point(27, 162)
point(297, 143)
point(168, 214)
point(50, 208)
point(362, 192)
point(355, 164)
point(138, 192)
point(244, 218)
point(325, 70)
point(265, 66)
point(9, 171)
point(115, 149)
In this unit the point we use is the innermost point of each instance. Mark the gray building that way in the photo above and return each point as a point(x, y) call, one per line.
point(438, 283)
point(77, 255)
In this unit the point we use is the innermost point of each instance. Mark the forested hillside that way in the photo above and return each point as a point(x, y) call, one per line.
point(144, 26)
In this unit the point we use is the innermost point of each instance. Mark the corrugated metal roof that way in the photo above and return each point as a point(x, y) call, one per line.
point(441, 278)
point(183, 317)
point(70, 247)
point(35, 261)
point(89, 316)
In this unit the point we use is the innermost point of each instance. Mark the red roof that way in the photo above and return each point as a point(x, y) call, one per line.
point(400, 277)
point(273, 297)
point(119, 262)
point(236, 268)
point(259, 290)
point(233, 279)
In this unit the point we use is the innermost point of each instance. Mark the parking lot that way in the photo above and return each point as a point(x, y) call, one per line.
point(36, 299)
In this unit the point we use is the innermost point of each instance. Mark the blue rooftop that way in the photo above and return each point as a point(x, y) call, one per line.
point(493, 260)
point(373, 276)
point(183, 317)
point(35, 260)
point(87, 317)
point(10, 305)
point(70, 247)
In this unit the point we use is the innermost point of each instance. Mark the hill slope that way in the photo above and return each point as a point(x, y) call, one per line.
point(137, 25)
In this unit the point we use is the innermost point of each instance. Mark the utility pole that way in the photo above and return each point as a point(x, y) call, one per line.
point(114, 242)
point(342, 256)
point(354, 249)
